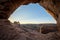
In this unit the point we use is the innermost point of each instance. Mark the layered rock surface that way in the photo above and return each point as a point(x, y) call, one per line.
point(10, 32)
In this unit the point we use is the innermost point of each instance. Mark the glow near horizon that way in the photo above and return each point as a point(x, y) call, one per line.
point(31, 14)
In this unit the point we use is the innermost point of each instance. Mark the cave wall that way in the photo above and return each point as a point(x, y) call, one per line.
point(7, 7)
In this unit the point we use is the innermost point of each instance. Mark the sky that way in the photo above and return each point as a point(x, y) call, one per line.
point(31, 14)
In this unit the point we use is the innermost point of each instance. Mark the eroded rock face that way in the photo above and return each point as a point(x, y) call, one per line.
point(7, 32)
point(48, 29)
point(8, 6)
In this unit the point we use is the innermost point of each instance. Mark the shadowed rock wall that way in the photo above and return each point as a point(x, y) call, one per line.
point(7, 7)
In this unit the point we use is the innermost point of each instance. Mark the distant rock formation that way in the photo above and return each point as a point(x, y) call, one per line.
point(48, 28)
point(16, 22)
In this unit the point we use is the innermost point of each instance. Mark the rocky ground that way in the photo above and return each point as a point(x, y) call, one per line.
point(30, 34)
point(9, 32)
point(34, 35)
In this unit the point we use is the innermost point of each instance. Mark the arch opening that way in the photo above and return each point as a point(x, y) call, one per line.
point(27, 9)
point(34, 13)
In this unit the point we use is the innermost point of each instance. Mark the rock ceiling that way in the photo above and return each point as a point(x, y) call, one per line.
point(7, 7)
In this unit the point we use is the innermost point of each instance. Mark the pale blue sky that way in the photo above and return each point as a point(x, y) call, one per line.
point(31, 13)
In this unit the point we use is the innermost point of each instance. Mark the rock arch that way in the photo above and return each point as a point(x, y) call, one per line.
point(8, 6)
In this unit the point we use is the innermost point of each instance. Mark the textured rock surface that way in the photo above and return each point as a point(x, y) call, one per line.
point(9, 32)
point(8, 6)
point(46, 29)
